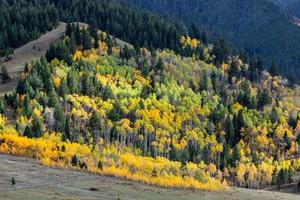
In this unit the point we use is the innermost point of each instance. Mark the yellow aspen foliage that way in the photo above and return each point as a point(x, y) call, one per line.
point(56, 81)
point(77, 55)
point(2, 121)
point(187, 41)
point(51, 151)
point(240, 173)
point(225, 67)
point(236, 108)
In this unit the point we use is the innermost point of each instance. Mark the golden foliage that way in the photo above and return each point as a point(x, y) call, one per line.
point(51, 151)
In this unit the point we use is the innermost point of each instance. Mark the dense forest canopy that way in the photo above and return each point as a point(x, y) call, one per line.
point(258, 26)
point(170, 109)
point(24, 20)
point(292, 7)
point(138, 27)
point(197, 121)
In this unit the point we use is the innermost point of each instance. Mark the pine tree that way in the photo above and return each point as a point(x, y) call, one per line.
point(27, 106)
point(53, 99)
point(263, 98)
point(37, 128)
point(51, 52)
point(86, 40)
point(72, 82)
point(77, 34)
point(159, 64)
point(274, 70)
point(221, 50)
point(28, 132)
point(229, 130)
point(4, 76)
point(2, 106)
point(63, 88)
point(69, 29)
point(67, 132)
point(145, 69)
point(60, 119)
point(72, 44)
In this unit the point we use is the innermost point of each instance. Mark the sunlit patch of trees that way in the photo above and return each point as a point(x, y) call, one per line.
point(51, 151)
point(211, 115)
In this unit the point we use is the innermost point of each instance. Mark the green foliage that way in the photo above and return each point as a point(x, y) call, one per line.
point(59, 51)
point(4, 76)
point(2, 106)
point(28, 132)
point(223, 18)
point(164, 105)
point(24, 20)
point(284, 177)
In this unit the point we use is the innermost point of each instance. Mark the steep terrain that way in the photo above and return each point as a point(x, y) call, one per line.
point(25, 54)
point(192, 124)
point(292, 7)
point(199, 117)
point(258, 26)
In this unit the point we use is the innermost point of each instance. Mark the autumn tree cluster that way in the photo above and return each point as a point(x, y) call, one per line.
point(211, 113)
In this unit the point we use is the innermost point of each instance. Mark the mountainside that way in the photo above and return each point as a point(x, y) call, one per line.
point(137, 27)
point(24, 20)
point(292, 7)
point(155, 117)
point(256, 25)
point(168, 106)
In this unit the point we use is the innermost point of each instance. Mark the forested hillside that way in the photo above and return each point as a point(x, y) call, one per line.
point(155, 116)
point(292, 7)
point(138, 27)
point(24, 20)
point(258, 26)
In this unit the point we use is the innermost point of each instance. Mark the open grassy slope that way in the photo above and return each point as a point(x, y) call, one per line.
point(30, 51)
point(34, 182)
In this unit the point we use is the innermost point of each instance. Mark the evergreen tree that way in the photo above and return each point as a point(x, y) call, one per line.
point(67, 132)
point(69, 29)
point(86, 40)
point(159, 64)
point(37, 128)
point(145, 69)
point(53, 99)
point(4, 76)
point(27, 106)
point(2, 106)
point(63, 88)
point(229, 130)
point(72, 82)
point(221, 50)
point(287, 141)
point(77, 34)
point(263, 98)
point(274, 70)
point(60, 119)
point(28, 132)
